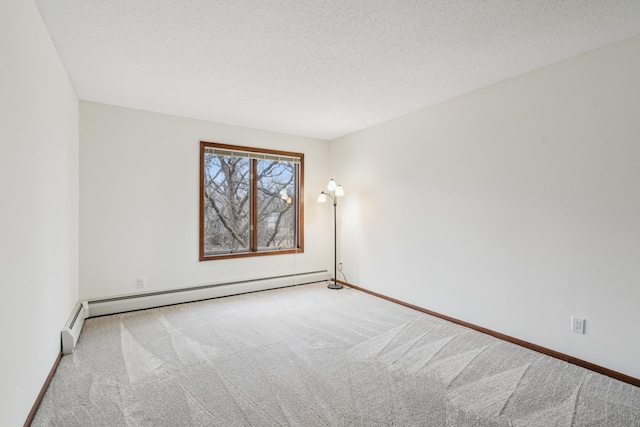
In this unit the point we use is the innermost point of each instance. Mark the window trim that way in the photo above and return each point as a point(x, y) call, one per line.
point(254, 201)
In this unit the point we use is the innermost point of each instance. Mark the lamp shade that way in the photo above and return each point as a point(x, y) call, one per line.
point(332, 185)
point(339, 191)
point(322, 198)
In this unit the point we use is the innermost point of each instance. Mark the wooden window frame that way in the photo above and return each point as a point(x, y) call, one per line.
point(253, 249)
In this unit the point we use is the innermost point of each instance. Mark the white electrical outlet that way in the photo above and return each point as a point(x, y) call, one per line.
point(340, 266)
point(141, 283)
point(577, 324)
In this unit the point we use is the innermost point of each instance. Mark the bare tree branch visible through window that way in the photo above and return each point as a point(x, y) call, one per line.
point(276, 218)
point(226, 191)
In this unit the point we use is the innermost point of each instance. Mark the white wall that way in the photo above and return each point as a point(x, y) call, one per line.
point(139, 182)
point(38, 206)
point(512, 208)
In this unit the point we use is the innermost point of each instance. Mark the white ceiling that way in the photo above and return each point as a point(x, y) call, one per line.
point(320, 68)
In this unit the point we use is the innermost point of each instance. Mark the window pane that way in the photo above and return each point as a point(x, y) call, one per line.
point(226, 204)
point(277, 204)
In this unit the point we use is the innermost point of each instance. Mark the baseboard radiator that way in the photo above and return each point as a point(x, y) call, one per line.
point(141, 301)
point(71, 331)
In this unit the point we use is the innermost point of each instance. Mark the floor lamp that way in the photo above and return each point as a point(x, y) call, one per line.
point(335, 191)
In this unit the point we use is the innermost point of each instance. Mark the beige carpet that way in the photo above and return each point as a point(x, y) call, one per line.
point(309, 356)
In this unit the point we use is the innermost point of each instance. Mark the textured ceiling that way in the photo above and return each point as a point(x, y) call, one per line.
point(313, 67)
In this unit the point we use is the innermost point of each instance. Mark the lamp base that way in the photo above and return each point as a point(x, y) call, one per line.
point(334, 285)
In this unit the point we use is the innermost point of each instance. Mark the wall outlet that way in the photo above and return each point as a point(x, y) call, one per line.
point(577, 324)
point(340, 266)
point(141, 283)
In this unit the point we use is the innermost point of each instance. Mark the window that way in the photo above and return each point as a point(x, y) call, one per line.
point(250, 201)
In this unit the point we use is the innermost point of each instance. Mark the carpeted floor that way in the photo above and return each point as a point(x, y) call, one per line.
point(309, 356)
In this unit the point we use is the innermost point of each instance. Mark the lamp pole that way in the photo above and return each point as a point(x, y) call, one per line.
point(337, 192)
point(335, 284)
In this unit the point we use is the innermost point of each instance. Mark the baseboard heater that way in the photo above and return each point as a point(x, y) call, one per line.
point(140, 301)
point(71, 331)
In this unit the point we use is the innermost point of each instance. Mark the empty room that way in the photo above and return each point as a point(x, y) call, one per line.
point(349, 213)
